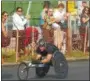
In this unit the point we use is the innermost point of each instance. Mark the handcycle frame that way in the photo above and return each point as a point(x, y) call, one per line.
point(31, 65)
point(58, 61)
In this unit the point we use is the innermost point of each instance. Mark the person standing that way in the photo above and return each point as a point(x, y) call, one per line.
point(81, 6)
point(44, 12)
point(84, 23)
point(5, 39)
point(60, 25)
point(89, 31)
point(57, 35)
point(60, 15)
point(47, 27)
point(20, 23)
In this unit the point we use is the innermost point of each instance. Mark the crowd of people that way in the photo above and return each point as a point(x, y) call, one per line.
point(53, 24)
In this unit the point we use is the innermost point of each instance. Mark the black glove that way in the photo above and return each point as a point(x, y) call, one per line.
point(36, 62)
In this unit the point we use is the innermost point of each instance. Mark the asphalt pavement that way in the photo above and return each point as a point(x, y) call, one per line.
point(78, 70)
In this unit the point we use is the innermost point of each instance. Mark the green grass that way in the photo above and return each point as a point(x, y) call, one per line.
point(10, 56)
point(35, 11)
point(77, 54)
point(36, 8)
point(10, 59)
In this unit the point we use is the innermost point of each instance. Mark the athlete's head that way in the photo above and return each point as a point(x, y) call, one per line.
point(42, 44)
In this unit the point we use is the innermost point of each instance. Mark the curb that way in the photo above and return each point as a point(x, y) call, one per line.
point(68, 59)
point(81, 59)
point(9, 64)
point(77, 59)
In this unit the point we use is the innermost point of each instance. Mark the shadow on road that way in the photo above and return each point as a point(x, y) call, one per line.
point(47, 77)
point(6, 76)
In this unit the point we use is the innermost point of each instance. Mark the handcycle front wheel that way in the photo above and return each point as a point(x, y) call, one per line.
point(22, 72)
point(42, 71)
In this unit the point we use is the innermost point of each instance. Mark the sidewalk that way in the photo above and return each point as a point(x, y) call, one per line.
point(69, 59)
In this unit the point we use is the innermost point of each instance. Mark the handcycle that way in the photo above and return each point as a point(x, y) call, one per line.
point(58, 61)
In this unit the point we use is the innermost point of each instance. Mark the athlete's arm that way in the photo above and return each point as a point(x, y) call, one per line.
point(38, 57)
point(47, 59)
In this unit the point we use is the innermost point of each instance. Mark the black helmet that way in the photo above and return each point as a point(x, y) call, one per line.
point(42, 42)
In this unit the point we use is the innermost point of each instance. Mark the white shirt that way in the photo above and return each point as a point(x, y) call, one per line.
point(18, 22)
point(55, 26)
point(59, 15)
point(80, 7)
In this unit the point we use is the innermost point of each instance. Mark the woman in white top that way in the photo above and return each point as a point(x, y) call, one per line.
point(60, 16)
point(19, 23)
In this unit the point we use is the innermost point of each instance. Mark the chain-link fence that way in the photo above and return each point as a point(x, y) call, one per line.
point(36, 8)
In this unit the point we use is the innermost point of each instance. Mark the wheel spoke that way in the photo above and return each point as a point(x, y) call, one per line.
point(22, 71)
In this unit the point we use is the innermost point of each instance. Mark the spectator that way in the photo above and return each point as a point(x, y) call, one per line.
point(57, 35)
point(61, 19)
point(47, 27)
point(81, 6)
point(89, 32)
point(5, 39)
point(59, 1)
point(44, 12)
point(60, 15)
point(84, 23)
point(84, 4)
point(19, 23)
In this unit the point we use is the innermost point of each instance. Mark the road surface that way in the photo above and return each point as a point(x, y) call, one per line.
point(77, 71)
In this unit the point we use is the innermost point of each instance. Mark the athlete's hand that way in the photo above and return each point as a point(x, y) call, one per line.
point(36, 61)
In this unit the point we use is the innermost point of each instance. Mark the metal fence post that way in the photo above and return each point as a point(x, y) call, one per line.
point(17, 43)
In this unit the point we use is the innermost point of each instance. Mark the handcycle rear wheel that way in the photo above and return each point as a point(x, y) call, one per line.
point(22, 72)
point(60, 65)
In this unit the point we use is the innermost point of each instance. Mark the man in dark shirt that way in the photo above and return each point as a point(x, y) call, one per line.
point(45, 50)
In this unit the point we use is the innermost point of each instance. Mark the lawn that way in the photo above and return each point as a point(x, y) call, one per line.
point(36, 8)
point(10, 55)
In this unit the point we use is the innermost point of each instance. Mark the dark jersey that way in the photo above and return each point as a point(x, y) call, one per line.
point(50, 49)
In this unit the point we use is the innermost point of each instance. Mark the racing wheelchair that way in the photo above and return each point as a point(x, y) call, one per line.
point(58, 61)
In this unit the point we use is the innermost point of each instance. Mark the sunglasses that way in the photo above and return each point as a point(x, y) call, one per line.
point(19, 10)
point(50, 11)
point(86, 10)
point(5, 15)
